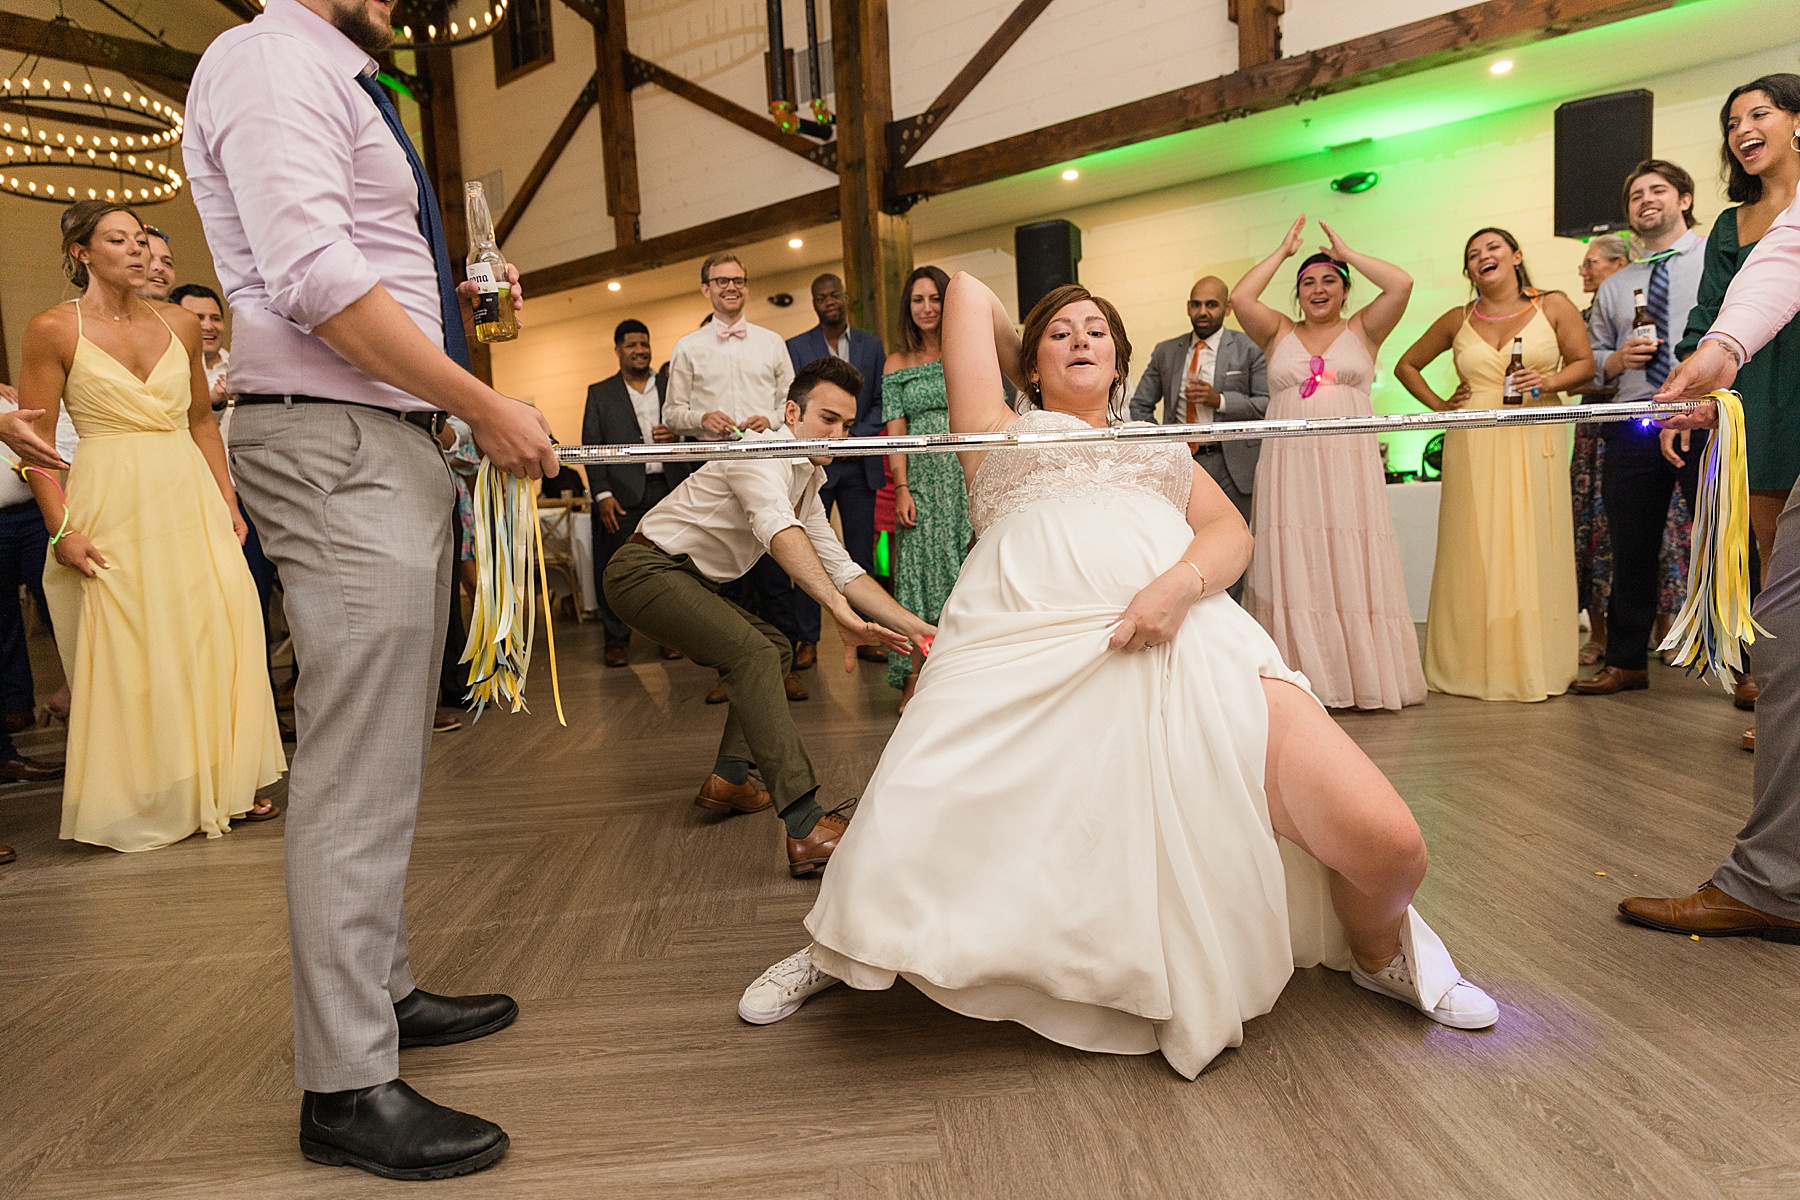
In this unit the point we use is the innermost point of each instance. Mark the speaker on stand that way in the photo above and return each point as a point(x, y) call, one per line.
point(1048, 255)
point(1598, 142)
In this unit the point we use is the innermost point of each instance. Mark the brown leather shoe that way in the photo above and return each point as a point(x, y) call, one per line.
point(808, 855)
point(806, 656)
point(719, 796)
point(874, 654)
point(1612, 680)
point(1748, 741)
point(794, 688)
point(7, 854)
point(717, 695)
point(29, 770)
point(448, 720)
point(1746, 694)
point(616, 656)
point(1709, 912)
point(669, 653)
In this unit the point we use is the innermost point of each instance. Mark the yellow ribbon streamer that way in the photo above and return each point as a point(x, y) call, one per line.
point(504, 621)
point(1715, 625)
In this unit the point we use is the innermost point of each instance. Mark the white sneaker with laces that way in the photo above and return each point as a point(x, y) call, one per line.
point(780, 991)
point(1463, 1006)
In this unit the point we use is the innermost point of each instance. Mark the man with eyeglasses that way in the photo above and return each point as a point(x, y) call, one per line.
point(726, 379)
point(159, 272)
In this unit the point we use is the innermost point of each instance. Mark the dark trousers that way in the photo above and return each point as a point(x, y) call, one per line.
point(1637, 483)
point(618, 633)
point(261, 569)
point(23, 543)
point(856, 513)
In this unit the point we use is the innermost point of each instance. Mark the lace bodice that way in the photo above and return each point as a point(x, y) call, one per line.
point(1011, 480)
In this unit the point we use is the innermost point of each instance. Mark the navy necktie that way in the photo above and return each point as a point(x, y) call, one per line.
point(1663, 361)
point(431, 224)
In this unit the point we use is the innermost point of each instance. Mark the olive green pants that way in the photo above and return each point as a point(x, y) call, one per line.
point(666, 599)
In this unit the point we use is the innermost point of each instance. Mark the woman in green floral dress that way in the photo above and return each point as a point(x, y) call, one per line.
point(931, 505)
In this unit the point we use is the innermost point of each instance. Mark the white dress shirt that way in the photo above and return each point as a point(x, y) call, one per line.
point(307, 199)
point(1765, 293)
point(742, 377)
point(724, 515)
point(648, 407)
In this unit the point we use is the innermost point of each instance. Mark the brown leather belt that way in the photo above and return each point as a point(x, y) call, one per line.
point(641, 540)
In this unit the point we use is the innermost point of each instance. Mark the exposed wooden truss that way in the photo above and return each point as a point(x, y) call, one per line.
point(618, 123)
point(540, 170)
point(161, 68)
point(1259, 30)
point(908, 135)
point(644, 71)
point(877, 243)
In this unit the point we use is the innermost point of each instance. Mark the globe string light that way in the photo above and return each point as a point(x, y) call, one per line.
point(32, 145)
point(458, 32)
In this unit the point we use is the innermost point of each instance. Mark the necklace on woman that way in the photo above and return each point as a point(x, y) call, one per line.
point(120, 317)
point(1476, 309)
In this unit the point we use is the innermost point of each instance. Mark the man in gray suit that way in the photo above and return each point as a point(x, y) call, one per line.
point(1210, 373)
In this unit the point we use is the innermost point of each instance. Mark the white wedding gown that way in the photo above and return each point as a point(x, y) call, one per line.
point(1067, 836)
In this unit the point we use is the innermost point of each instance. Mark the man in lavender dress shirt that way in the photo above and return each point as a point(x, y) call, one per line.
point(1756, 890)
point(349, 347)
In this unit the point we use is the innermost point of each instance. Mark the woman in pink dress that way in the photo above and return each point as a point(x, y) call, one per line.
point(1325, 576)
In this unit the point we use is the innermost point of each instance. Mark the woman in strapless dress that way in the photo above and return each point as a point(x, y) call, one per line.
point(1111, 812)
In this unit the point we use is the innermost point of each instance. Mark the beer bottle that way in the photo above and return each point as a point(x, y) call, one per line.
point(1641, 324)
point(495, 320)
point(1510, 392)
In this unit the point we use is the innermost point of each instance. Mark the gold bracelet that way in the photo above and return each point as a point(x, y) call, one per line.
point(1190, 563)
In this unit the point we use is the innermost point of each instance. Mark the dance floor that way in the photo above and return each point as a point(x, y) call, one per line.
point(144, 1013)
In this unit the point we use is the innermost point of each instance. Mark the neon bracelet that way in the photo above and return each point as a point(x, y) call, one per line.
point(59, 494)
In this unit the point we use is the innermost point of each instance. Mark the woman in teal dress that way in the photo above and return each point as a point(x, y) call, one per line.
point(931, 503)
point(1761, 122)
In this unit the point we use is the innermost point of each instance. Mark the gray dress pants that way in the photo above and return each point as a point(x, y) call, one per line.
point(1214, 462)
point(354, 506)
point(1763, 870)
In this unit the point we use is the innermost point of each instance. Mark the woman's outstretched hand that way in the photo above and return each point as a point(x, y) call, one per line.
point(1290, 245)
point(1335, 247)
point(1155, 614)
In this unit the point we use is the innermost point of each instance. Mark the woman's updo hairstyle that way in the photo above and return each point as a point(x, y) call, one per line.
point(1044, 312)
point(79, 221)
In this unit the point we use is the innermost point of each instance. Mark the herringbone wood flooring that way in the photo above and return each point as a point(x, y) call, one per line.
point(144, 1014)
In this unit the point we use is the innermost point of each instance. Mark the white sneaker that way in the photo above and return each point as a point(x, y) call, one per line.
point(780, 991)
point(1464, 1006)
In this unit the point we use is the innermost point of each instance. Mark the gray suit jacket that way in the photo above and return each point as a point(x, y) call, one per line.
point(1242, 382)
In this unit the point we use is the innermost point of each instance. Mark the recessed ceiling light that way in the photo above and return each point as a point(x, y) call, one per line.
point(1501, 67)
point(795, 243)
point(1070, 175)
point(613, 286)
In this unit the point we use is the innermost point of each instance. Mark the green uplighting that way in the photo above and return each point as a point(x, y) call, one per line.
point(1356, 181)
point(883, 567)
point(394, 84)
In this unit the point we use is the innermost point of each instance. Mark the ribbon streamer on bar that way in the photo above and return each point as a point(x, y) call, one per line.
point(504, 620)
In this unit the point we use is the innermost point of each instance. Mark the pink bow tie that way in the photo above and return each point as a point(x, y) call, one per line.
point(733, 331)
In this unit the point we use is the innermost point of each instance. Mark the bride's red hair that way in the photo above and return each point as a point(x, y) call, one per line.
point(1044, 312)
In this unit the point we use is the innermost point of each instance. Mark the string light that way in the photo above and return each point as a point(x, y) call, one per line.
point(460, 32)
point(29, 145)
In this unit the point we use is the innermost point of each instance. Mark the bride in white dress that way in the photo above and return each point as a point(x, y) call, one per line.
point(1111, 813)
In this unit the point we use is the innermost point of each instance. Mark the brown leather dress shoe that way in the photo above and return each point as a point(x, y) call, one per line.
point(616, 656)
point(794, 688)
point(719, 796)
point(717, 695)
point(874, 654)
point(29, 770)
point(1612, 680)
point(670, 653)
point(806, 656)
point(1709, 912)
point(7, 854)
point(1746, 694)
point(808, 855)
point(448, 720)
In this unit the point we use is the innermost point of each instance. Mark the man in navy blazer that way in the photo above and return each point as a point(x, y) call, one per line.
point(850, 483)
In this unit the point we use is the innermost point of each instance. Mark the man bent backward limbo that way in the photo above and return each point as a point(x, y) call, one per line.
point(664, 583)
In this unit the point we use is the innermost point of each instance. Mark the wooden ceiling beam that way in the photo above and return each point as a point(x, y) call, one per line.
point(162, 68)
point(772, 220)
point(618, 124)
point(1391, 54)
point(1259, 30)
point(644, 71)
point(907, 136)
point(540, 170)
point(243, 10)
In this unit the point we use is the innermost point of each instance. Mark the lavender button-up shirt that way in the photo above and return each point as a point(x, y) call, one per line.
point(307, 199)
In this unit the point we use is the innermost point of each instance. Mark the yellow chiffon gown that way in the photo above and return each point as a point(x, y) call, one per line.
point(1502, 623)
point(172, 728)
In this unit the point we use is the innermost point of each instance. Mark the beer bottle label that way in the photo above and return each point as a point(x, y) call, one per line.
point(1510, 389)
point(487, 293)
point(1644, 331)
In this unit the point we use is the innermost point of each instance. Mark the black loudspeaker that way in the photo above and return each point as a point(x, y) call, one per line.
point(1598, 142)
point(1048, 254)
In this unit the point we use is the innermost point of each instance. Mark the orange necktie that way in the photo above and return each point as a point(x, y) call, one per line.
point(1193, 406)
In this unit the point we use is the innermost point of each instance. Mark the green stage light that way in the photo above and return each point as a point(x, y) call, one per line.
point(1356, 181)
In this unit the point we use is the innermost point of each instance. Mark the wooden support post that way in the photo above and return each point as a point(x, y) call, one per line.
point(443, 160)
point(618, 124)
point(877, 243)
point(1259, 30)
point(5, 361)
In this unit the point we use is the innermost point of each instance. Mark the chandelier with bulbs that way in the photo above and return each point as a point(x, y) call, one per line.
point(427, 24)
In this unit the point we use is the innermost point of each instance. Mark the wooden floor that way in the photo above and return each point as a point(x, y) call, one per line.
point(144, 1013)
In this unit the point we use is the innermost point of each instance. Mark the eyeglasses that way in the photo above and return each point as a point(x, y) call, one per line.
point(729, 281)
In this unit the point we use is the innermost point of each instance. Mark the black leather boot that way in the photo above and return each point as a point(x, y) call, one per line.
point(431, 1020)
point(392, 1131)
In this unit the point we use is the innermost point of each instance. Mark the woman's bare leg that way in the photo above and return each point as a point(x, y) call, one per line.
point(1327, 798)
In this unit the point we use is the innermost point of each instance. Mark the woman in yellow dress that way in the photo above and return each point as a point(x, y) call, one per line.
point(173, 726)
point(1503, 623)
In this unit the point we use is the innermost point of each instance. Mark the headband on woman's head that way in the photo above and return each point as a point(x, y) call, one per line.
point(1322, 257)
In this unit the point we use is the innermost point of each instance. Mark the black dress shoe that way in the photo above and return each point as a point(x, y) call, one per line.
point(432, 1020)
point(392, 1131)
